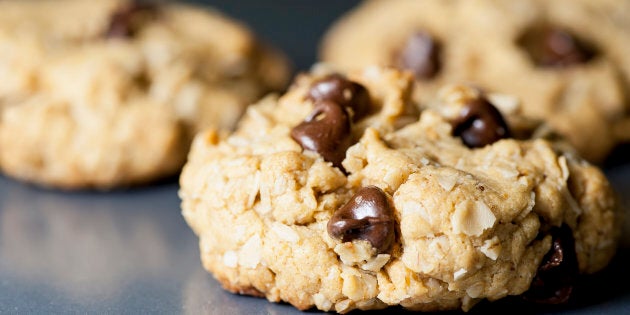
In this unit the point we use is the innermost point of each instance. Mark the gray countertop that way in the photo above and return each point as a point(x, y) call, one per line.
point(130, 251)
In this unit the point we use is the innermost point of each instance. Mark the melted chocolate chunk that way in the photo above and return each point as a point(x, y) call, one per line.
point(554, 47)
point(127, 20)
point(556, 274)
point(480, 124)
point(326, 131)
point(421, 55)
point(344, 92)
point(367, 216)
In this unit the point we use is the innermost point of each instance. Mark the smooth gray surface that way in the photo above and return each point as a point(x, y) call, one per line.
point(130, 252)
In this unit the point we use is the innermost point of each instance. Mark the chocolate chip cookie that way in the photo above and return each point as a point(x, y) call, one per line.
point(339, 195)
point(110, 93)
point(565, 60)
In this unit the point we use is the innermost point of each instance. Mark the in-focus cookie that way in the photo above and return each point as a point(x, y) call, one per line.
point(566, 60)
point(110, 92)
point(339, 196)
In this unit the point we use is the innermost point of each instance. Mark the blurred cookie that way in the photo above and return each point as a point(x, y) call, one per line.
point(565, 60)
point(110, 93)
point(339, 196)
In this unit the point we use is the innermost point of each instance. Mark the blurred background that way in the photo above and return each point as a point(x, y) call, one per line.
point(130, 252)
point(295, 26)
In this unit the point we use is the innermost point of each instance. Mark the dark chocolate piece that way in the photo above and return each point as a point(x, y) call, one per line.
point(367, 216)
point(344, 92)
point(480, 124)
point(421, 55)
point(558, 270)
point(556, 48)
point(326, 131)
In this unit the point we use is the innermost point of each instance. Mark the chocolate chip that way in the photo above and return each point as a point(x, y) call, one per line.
point(480, 124)
point(556, 274)
point(367, 216)
point(554, 47)
point(326, 131)
point(125, 22)
point(421, 55)
point(344, 92)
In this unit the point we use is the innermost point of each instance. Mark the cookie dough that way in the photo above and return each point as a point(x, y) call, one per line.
point(566, 60)
point(109, 93)
point(339, 195)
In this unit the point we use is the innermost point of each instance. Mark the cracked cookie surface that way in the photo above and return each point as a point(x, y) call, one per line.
point(565, 60)
point(414, 215)
point(110, 93)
